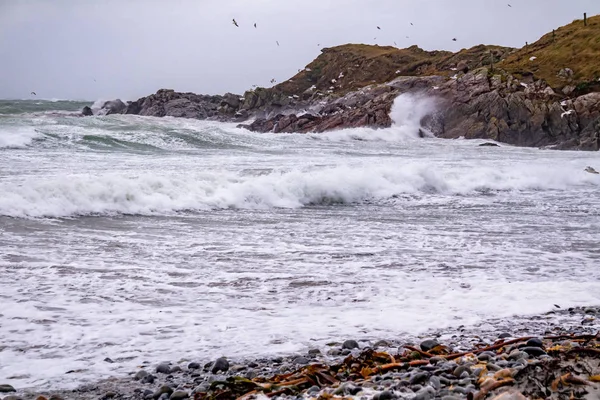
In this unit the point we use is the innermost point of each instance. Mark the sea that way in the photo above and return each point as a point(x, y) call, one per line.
point(132, 239)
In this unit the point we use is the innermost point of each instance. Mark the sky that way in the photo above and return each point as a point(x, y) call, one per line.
point(86, 49)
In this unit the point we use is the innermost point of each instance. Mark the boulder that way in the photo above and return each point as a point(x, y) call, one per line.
point(87, 111)
point(113, 107)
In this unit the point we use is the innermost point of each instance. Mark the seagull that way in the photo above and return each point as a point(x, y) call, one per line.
point(255, 24)
point(557, 306)
point(566, 113)
point(34, 93)
point(235, 23)
point(454, 39)
point(510, 6)
point(411, 23)
point(591, 171)
point(379, 28)
point(395, 44)
point(277, 42)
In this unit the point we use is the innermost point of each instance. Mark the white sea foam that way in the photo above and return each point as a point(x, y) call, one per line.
point(155, 194)
point(17, 137)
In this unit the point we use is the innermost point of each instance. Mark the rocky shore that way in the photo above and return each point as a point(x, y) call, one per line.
point(542, 95)
point(550, 356)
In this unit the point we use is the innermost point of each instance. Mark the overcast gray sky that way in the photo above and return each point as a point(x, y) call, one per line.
point(86, 49)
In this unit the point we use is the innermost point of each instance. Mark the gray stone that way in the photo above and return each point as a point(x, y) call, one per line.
point(194, 365)
point(435, 382)
point(314, 352)
point(141, 374)
point(6, 388)
point(165, 389)
point(350, 344)
point(202, 387)
point(221, 364)
point(427, 393)
point(385, 395)
point(176, 368)
point(535, 342)
point(381, 343)
point(419, 378)
point(533, 351)
point(163, 368)
point(87, 111)
point(148, 379)
point(179, 395)
point(429, 344)
point(301, 360)
point(460, 370)
point(314, 389)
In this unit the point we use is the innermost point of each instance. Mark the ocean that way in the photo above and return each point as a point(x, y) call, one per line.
point(151, 239)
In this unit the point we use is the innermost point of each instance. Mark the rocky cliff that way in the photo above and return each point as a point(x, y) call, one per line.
point(541, 95)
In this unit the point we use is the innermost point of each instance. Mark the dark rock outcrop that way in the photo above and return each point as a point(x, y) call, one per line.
point(112, 107)
point(86, 111)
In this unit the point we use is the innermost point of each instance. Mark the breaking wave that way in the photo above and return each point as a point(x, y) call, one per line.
point(155, 195)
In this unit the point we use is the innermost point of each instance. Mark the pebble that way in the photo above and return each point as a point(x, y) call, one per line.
point(141, 374)
point(427, 393)
point(148, 379)
point(194, 365)
point(314, 389)
point(350, 344)
point(179, 395)
point(221, 364)
point(108, 360)
point(163, 368)
point(419, 378)
point(450, 398)
point(460, 370)
point(381, 343)
point(535, 342)
point(385, 395)
point(429, 344)
point(435, 382)
point(176, 368)
point(163, 390)
point(504, 335)
point(6, 389)
point(301, 360)
point(314, 352)
point(110, 395)
point(534, 351)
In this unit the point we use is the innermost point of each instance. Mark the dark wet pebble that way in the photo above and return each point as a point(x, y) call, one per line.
point(346, 352)
point(444, 381)
point(535, 342)
point(148, 379)
point(504, 335)
point(418, 378)
point(221, 364)
point(109, 395)
point(141, 374)
point(436, 359)
point(429, 344)
point(176, 368)
point(301, 360)
point(350, 344)
point(251, 374)
point(385, 395)
point(493, 367)
point(486, 356)
point(534, 351)
point(194, 365)
point(252, 364)
point(458, 371)
point(148, 393)
point(163, 368)
point(203, 387)
point(165, 389)
point(6, 389)
point(277, 360)
point(381, 343)
point(108, 360)
point(179, 395)
point(314, 352)
point(458, 389)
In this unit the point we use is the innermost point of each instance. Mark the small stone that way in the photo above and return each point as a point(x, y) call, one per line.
point(109, 395)
point(314, 352)
point(516, 354)
point(435, 360)
point(108, 360)
point(202, 388)
point(504, 335)
point(458, 371)
point(179, 395)
point(251, 374)
point(141, 374)
point(419, 378)
point(301, 360)
point(163, 368)
point(350, 344)
point(346, 352)
point(194, 365)
point(381, 343)
point(41, 398)
point(427, 393)
point(535, 342)
point(56, 397)
point(176, 368)
point(435, 382)
point(6, 389)
point(534, 351)
point(450, 398)
point(429, 344)
point(238, 368)
point(221, 364)
point(486, 356)
point(314, 389)
point(385, 395)
point(163, 390)
point(149, 379)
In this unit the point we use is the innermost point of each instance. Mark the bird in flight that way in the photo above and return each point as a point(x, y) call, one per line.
point(379, 28)
point(235, 23)
point(454, 39)
point(255, 24)
point(33, 93)
point(277, 41)
point(395, 44)
point(411, 24)
point(510, 5)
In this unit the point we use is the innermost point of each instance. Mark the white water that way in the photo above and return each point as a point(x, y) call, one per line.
point(187, 239)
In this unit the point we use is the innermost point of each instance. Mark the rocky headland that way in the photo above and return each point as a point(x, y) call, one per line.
point(546, 94)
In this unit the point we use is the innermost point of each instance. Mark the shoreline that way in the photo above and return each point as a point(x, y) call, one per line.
point(421, 379)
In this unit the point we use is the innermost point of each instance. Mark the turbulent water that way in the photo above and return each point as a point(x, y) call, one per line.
point(138, 238)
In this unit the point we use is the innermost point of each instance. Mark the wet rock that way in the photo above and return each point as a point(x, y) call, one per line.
point(504, 335)
point(301, 360)
point(163, 368)
point(435, 382)
point(427, 393)
point(419, 378)
point(489, 144)
point(221, 364)
point(149, 379)
point(202, 387)
point(350, 344)
point(141, 374)
point(429, 344)
point(108, 360)
point(385, 395)
point(165, 389)
point(314, 389)
point(194, 365)
point(176, 368)
point(314, 352)
point(113, 107)
point(6, 388)
point(179, 395)
point(534, 351)
point(535, 342)
point(381, 343)
point(110, 395)
point(87, 111)
point(460, 370)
